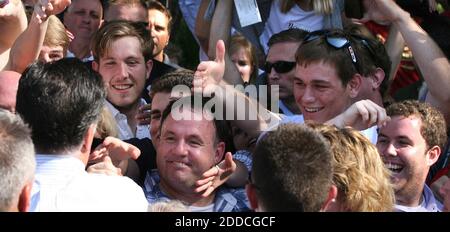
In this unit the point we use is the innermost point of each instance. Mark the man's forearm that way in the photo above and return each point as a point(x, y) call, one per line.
point(245, 112)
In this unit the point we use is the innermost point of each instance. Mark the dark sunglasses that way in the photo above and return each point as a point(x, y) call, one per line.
point(336, 41)
point(279, 66)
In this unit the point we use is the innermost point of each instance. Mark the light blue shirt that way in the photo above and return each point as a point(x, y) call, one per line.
point(429, 203)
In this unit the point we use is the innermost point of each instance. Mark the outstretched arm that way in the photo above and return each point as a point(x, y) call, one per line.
point(361, 115)
point(429, 57)
point(111, 157)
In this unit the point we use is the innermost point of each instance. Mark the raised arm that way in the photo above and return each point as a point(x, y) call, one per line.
point(13, 21)
point(202, 26)
point(394, 47)
point(28, 45)
point(430, 59)
point(220, 30)
point(209, 78)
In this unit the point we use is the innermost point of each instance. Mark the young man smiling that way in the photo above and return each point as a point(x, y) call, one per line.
point(409, 144)
point(122, 57)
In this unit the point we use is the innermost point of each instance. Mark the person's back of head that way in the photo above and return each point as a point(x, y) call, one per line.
point(291, 171)
point(60, 101)
point(359, 174)
point(17, 163)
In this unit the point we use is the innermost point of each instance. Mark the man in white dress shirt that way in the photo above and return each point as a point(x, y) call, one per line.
point(61, 102)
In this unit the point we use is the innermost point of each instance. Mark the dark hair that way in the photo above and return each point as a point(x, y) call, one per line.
point(59, 101)
point(292, 169)
point(367, 61)
point(168, 81)
point(433, 128)
point(319, 50)
point(289, 35)
point(190, 101)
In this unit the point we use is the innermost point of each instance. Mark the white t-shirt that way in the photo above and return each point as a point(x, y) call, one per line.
point(295, 18)
point(125, 132)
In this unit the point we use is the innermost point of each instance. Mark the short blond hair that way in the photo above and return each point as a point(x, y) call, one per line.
point(362, 180)
point(56, 34)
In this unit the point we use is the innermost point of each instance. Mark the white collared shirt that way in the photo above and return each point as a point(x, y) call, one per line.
point(125, 132)
point(62, 184)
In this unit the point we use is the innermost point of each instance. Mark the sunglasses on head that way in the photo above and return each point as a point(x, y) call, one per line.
point(279, 66)
point(335, 40)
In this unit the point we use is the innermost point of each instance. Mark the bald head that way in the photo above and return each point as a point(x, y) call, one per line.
point(9, 82)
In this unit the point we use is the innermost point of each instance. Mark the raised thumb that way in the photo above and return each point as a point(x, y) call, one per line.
point(220, 51)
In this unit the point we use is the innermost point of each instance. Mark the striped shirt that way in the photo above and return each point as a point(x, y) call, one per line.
point(226, 199)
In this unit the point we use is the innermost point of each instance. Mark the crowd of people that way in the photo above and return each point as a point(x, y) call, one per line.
point(294, 113)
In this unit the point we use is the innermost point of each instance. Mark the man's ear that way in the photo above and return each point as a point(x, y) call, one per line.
point(433, 155)
point(354, 85)
point(95, 65)
point(220, 151)
point(251, 195)
point(332, 194)
point(87, 143)
point(149, 66)
point(25, 197)
point(377, 78)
